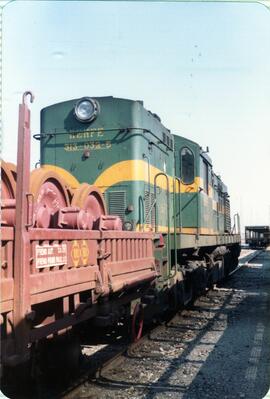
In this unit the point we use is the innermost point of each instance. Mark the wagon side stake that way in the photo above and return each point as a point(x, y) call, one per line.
point(22, 304)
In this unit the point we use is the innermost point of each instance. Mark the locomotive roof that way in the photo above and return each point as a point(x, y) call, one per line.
point(185, 138)
point(96, 98)
point(259, 228)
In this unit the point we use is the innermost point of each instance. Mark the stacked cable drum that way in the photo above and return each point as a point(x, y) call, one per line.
point(54, 204)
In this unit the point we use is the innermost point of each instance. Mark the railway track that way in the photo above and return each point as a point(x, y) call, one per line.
point(90, 380)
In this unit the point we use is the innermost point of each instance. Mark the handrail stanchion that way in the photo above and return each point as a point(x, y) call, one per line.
point(168, 214)
point(179, 213)
point(149, 190)
point(175, 226)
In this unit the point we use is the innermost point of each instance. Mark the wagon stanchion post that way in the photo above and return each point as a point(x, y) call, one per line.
point(22, 241)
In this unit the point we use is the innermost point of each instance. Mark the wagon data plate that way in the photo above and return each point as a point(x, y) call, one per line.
point(50, 255)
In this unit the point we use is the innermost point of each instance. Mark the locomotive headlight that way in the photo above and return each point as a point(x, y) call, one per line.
point(86, 109)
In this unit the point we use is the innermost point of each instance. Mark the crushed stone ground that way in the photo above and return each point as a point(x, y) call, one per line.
point(220, 348)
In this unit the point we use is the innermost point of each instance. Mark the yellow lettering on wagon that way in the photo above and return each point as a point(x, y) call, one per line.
point(79, 252)
point(75, 253)
point(84, 252)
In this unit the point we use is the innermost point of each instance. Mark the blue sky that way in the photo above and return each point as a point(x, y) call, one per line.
point(204, 68)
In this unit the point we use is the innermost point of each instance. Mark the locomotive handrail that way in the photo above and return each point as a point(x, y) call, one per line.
point(39, 136)
point(236, 224)
point(148, 161)
point(179, 184)
point(179, 202)
point(168, 214)
point(179, 208)
point(239, 225)
point(149, 189)
point(174, 230)
point(167, 194)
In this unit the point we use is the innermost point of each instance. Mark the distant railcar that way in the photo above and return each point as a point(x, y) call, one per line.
point(257, 236)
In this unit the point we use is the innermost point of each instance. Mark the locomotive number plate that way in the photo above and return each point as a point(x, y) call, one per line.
point(50, 255)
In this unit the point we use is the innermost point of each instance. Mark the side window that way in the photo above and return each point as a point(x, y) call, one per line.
point(187, 165)
point(205, 177)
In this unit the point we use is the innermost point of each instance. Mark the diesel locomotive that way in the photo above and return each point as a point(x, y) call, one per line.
point(123, 219)
point(152, 179)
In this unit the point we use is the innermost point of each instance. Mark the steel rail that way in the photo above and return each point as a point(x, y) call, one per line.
point(253, 256)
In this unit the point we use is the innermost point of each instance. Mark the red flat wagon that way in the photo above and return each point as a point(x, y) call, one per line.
point(55, 278)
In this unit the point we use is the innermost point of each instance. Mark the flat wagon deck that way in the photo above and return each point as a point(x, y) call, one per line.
point(75, 271)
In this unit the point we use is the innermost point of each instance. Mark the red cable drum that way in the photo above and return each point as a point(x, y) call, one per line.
point(50, 196)
point(8, 193)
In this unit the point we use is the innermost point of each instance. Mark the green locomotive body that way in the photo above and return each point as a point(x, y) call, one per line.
point(122, 151)
point(152, 179)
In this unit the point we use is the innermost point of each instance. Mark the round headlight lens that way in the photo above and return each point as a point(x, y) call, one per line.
point(86, 109)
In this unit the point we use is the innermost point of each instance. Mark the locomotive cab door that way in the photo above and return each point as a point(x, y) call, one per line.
point(186, 169)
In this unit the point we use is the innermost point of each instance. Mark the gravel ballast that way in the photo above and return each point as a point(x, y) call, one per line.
point(219, 348)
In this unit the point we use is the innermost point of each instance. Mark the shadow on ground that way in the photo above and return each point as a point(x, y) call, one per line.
point(226, 338)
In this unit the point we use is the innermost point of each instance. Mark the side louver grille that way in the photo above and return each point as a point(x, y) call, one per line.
point(227, 215)
point(149, 214)
point(117, 203)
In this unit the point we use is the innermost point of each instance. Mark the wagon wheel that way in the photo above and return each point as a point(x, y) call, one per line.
point(8, 183)
point(137, 322)
point(50, 195)
point(90, 199)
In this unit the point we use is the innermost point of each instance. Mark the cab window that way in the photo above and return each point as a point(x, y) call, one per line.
point(187, 165)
